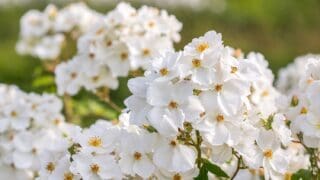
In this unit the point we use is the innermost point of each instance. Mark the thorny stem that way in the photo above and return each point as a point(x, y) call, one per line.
point(313, 153)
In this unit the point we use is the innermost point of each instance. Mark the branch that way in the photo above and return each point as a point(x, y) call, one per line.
point(238, 167)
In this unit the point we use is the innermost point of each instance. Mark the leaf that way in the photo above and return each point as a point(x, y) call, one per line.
point(302, 174)
point(203, 174)
point(214, 169)
point(42, 81)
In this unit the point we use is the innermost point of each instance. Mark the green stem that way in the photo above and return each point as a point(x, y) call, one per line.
point(313, 159)
point(68, 108)
point(238, 167)
point(198, 148)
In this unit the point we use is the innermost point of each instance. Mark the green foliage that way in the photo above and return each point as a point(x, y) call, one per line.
point(207, 166)
point(302, 174)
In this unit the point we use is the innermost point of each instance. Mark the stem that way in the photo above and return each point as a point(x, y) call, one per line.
point(197, 146)
point(238, 167)
point(112, 105)
point(103, 94)
point(68, 109)
point(313, 159)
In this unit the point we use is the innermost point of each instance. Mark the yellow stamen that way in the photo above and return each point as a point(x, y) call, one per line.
point(202, 47)
point(268, 153)
point(95, 141)
point(164, 71)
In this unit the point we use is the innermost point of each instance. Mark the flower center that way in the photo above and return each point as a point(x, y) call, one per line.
point(94, 168)
point(265, 93)
point(14, 114)
point(303, 110)
point(196, 63)
point(137, 156)
point(91, 55)
point(173, 105)
point(218, 87)
point(146, 52)
point(50, 167)
point(177, 177)
point(268, 153)
point(233, 69)
point(173, 143)
point(151, 24)
point(164, 71)
point(202, 47)
point(95, 141)
point(124, 56)
point(73, 75)
point(68, 176)
point(220, 118)
point(109, 43)
point(95, 78)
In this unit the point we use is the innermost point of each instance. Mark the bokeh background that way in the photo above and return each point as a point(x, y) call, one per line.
point(281, 30)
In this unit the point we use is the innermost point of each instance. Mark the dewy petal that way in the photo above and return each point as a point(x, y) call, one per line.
point(143, 167)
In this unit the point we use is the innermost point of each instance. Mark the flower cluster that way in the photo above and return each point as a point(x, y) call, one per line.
point(300, 104)
point(211, 93)
point(44, 34)
point(31, 125)
point(289, 77)
point(126, 39)
point(207, 108)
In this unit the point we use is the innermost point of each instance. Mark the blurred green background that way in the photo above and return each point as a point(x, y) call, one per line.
point(281, 30)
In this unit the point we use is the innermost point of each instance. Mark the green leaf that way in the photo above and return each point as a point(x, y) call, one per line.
point(214, 169)
point(42, 81)
point(302, 174)
point(203, 174)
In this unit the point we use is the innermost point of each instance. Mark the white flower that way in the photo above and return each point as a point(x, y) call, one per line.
point(174, 157)
point(274, 160)
point(68, 78)
point(99, 138)
point(95, 167)
point(49, 47)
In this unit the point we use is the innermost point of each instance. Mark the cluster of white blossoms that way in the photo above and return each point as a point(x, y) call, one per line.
point(214, 93)
point(290, 76)
point(126, 39)
point(301, 102)
point(206, 112)
point(31, 125)
point(44, 34)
